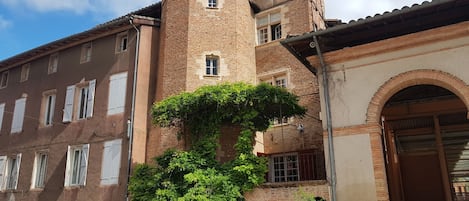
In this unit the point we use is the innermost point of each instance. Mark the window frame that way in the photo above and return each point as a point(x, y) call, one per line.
point(10, 170)
point(25, 69)
point(286, 176)
point(212, 4)
point(86, 52)
point(271, 29)
point(4, 79)
point(212, 65)
point(49, 99)
point(79, 106)
point(53, 63)
point(77, 168)
point(39, 176)
point(122, 42)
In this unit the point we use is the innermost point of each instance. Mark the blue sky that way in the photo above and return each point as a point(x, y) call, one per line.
point(26, 24)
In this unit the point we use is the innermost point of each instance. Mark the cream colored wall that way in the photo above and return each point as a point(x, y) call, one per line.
point(357, 73)
point(349, 79)
point(354, 168)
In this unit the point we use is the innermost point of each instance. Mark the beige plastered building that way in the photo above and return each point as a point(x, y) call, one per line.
point(396, 86)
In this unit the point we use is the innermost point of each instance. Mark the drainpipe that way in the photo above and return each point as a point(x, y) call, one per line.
point(327, 103)
point(130, 122)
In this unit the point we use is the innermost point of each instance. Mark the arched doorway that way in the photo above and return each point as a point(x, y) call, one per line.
point(426, 144)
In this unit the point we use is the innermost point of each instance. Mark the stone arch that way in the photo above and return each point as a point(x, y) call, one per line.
point(412, 78)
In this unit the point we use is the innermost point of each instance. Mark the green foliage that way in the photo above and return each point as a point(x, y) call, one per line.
point(304, 196)
point(195, 174)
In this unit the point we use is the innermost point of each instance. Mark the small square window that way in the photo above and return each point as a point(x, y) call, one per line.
point(25, 72)
point(285, 168)
point(212, 3)
point(86, 51)
point(122, 42)
point(211, 65)
point(4, 79)
point(53, 63)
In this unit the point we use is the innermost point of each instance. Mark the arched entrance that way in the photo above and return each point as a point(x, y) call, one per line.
point(426, 144)
point(425, 135)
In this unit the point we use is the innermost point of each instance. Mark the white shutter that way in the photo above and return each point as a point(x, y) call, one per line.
point(18, 115)
point(68, 108)
point(3, 162)
point(52, 109)
point(111, 162)
point(84, 164)
point(2, 110)
point(117, 92)
point(91, 92)
point(68, 167)
point(16, 172)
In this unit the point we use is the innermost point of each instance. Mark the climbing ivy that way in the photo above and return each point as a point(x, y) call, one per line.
point(195, 174)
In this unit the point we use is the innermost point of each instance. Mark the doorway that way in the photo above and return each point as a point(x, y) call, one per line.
point(426, 145)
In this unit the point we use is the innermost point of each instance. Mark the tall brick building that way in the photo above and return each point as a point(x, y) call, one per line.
point(74, 113)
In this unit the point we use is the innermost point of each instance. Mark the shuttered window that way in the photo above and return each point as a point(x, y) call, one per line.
point(2, 110)
point(111, 162)
point(117, 93)
point(77, 163)
point(83, 96)
point(3, 162)
point(18, 115)
point(40, 167)
point(13, 169)
point(49, 106)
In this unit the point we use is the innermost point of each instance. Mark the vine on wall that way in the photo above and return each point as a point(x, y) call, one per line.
point(195, 174)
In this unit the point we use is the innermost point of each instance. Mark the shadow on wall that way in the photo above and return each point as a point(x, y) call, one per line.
point(55, 185)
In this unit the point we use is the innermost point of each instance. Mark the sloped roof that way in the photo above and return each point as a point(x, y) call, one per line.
point(151, 12)
point(407, 20)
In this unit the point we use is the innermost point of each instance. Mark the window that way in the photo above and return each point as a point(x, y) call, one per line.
point(18, 115)
point(212, 3)
point(297, 166)
point(25, 72)
point(2, 110)
point(111, 162)
point(211, 65)
point(86, 50)
point(77, 163)
point(39, 170)
point(83, 95)
point(279, 80)
point(9, 171)
point(269, 28)
point(285, 168)
point(117, 92)
point(4, 79)
point(48, 108)
point(121, 42)
point(53, 63)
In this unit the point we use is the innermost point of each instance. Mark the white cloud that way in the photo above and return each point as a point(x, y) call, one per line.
point(117, 8)
point(102, 8)
point(4, 23)
point(355, 9)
